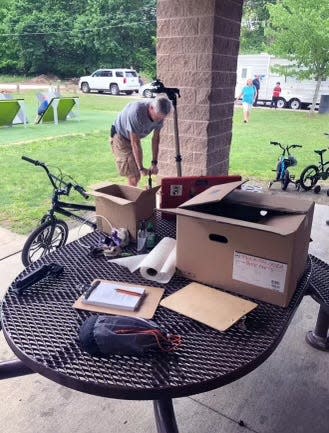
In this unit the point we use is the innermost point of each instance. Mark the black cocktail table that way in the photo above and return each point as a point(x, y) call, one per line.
point(41, 327)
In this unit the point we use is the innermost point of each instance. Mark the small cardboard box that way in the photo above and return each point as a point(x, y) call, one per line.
point(254, 244)
point(123, 206)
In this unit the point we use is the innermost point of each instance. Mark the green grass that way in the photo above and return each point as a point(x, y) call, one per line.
point(254, 157)
point(81, 149)
point(12, 79)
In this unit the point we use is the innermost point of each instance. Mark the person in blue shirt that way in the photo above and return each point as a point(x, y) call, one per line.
point(42, 108)
point(248, 95)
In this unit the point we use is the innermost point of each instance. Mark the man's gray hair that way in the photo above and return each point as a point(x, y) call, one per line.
point(162, 105)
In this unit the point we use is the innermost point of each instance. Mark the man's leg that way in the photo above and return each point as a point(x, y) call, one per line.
point(133, 180)
point(125, 160)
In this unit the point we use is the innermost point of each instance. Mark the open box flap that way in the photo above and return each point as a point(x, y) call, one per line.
point(274, 225)
point(114, 192)
point(269, 201)
point(213, 194)
point(151, 191)
point(114, 199)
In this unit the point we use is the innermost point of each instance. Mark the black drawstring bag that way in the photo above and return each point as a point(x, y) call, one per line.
point(107, 335)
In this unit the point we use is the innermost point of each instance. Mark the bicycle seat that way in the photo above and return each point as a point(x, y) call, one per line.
point(320, 152)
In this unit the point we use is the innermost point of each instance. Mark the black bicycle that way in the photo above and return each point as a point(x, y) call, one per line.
point(286, 160)
point(52, 232)
point(313, 173)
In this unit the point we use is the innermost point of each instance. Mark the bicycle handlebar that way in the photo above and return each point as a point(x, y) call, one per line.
point(54, 178)
point(292, 146)
point(32, 161)
point(81, 191)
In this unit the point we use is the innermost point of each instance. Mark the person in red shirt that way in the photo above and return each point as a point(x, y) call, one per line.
point(276, 95)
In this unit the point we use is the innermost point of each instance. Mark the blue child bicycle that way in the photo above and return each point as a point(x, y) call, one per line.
point(286, 160)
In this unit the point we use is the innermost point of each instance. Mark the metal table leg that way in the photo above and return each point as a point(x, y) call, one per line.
point(13, 368)
point(319, 337)
point(165, 416)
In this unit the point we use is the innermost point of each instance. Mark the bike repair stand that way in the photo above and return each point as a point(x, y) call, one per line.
point(172, 93)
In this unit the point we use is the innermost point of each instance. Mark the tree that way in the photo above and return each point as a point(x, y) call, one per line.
point(299, 31)
point(254, 20)
point(74, 37)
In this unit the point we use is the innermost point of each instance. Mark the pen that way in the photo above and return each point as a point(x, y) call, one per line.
point(128, 292)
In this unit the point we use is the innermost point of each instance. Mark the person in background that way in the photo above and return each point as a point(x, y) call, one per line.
point(276, 95)
point(42, 108)
point(256, 83)
point(248, 95)
point(136, 121)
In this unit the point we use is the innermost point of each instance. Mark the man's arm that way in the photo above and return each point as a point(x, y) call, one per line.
point(137, 152)
point(155, 151)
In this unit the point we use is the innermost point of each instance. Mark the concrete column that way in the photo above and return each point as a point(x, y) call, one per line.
point(198, 44)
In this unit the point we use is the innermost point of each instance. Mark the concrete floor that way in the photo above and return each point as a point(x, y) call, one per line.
point(288, 393)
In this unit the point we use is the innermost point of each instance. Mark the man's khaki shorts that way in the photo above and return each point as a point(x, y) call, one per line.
point(124, 157)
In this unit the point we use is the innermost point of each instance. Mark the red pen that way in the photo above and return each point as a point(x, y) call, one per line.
point(128, 292)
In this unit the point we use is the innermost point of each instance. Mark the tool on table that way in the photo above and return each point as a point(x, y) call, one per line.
point(51, 269)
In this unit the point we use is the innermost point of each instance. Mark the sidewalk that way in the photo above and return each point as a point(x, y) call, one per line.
point(288, 393)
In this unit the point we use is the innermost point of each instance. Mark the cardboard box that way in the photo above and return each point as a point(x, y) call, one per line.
point(254, 244)
point(124, 206)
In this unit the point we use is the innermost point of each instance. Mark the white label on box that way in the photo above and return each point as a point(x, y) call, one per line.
point(259, 272)
point(176, 190)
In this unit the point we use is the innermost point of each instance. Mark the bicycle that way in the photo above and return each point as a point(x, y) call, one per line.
point(313, 173)
point(52, 232)
point(286, 160)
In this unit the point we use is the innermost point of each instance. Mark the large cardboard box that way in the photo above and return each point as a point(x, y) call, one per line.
point(254, 244)
point(123, 206)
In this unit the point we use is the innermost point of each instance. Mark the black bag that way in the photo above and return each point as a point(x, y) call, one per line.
point(106, 335)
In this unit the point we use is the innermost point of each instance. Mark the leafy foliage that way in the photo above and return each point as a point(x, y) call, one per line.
point(70, 38)
point(254, 21)
point(300, 32)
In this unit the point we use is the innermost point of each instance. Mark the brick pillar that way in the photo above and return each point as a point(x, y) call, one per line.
point(198, 44)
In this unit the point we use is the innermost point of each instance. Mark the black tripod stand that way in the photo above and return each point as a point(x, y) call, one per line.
point(172, 94)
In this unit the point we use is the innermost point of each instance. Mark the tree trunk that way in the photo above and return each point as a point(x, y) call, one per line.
point(315, 96)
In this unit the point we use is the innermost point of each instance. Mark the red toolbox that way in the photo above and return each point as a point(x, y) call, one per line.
point(177, 190)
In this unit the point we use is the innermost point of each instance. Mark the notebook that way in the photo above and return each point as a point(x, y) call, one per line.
point(114, 295)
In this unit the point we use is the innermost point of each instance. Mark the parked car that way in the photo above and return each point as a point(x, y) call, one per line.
point(111, 80)
point(146, 91)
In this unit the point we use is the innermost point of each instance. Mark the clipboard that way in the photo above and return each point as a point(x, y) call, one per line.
point(208, 305)
point(146, 310)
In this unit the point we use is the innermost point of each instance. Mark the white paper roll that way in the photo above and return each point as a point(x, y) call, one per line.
point(159, 265)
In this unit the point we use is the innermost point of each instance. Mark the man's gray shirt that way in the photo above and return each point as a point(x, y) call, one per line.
point(134, 118)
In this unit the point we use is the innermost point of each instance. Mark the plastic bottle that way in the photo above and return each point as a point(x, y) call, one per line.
point(150, 236)
point(141, 237)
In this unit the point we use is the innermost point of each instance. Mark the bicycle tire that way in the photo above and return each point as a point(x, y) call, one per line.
point(325, 173)
point(309, 177)
point(285, 180)
point(38, 244)
point(278, 171)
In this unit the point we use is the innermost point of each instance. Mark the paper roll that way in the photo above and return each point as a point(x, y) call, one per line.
point(159, 265)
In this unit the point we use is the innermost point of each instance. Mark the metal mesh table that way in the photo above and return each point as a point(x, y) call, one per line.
point(42, 329)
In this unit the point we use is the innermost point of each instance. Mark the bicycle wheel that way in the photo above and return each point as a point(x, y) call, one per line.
point(46, 238)
point(278, 170)
point(309, 177)
point(285, 180)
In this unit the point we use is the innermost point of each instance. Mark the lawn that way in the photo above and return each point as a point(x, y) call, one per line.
point(81, 149)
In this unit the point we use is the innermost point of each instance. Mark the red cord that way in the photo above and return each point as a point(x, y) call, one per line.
point(173, 340)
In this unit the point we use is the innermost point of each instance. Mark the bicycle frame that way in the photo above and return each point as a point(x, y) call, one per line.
point(282, 171)
point(63, 208)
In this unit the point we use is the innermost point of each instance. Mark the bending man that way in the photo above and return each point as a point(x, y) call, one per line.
point(136, 121)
